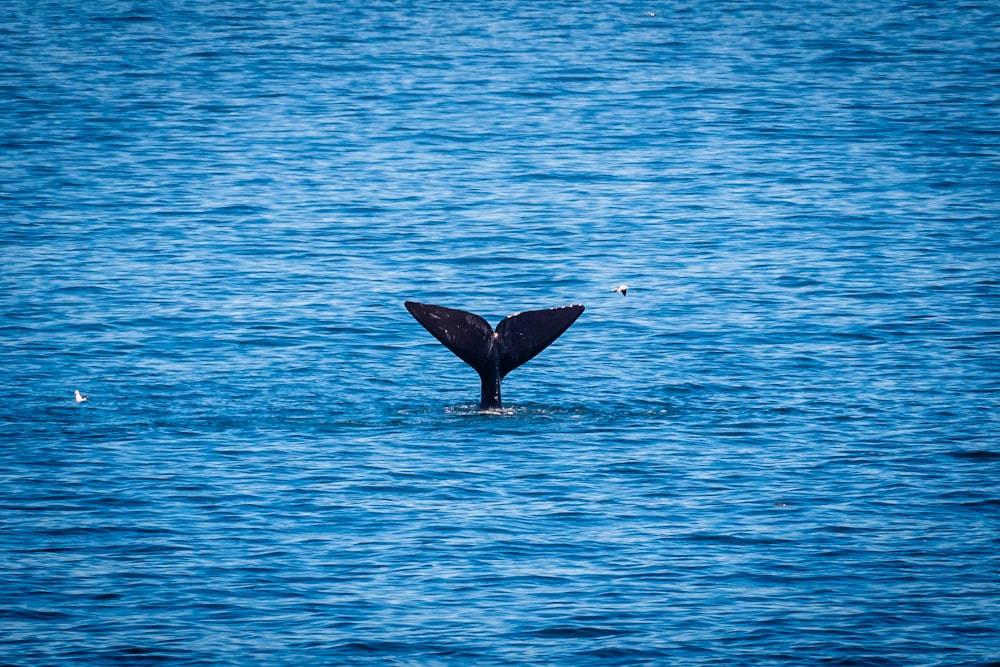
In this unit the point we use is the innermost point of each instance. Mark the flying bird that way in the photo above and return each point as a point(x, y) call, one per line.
point(80, 398)
point(621, 289)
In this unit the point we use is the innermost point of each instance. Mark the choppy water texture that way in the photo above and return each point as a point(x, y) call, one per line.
point(780, 448)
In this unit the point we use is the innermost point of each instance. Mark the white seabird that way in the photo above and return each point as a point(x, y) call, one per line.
point(621, 289)
point(80, 398)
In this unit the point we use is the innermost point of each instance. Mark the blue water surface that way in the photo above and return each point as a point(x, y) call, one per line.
point(781, 447)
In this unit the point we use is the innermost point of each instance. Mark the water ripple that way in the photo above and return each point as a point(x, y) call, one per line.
point(778, 448)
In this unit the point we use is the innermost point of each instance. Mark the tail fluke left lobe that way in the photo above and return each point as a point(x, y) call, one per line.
point(466, 334)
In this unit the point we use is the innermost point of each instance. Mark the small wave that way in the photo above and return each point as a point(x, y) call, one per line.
point(976, 455)
point(733, 539)
point(566, 632)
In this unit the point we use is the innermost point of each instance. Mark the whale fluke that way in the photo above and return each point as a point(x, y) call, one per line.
point(493, 354)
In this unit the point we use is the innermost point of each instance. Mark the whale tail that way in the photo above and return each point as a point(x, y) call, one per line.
point(494, 353)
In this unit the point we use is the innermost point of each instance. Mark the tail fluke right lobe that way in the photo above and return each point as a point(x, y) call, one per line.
point(523, 335)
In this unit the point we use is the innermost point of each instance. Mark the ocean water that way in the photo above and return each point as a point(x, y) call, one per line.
point(781, 447)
